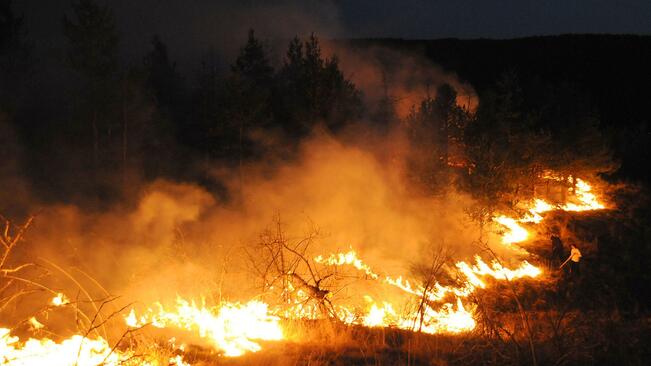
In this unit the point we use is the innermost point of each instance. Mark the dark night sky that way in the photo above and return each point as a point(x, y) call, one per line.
point(493, 19)
point(191, 27)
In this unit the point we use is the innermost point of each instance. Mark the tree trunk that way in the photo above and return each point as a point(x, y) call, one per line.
point(95, 140)
point(241, 174)
point(125, 126)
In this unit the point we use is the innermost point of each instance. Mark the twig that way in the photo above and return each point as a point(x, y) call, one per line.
point(127, 332)
point(81, 288)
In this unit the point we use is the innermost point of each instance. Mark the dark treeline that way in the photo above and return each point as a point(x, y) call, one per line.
point(607, 73)
point(90, 132)
point(98, 125)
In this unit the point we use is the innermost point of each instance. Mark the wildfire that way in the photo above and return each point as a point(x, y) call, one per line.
point(349, 258)
point(515, 233)
point(231, 328)
point(235, 329)
point(496, 270)
point(378, 316)
point(585, 200)
point(448, 318)
point(76, 350)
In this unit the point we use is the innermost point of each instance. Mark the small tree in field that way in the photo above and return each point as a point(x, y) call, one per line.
point(288, 273)
point(429, 271)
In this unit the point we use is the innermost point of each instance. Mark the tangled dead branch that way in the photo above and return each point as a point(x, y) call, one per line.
point(286, 269)
point(10, 289)
point(428, 272)
point(10, 238)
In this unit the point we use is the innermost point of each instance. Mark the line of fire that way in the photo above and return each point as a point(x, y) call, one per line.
point(313, 201)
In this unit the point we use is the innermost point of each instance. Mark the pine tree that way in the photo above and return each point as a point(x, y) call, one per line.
point(435, 128)
point(247, 101)
point(163, 79)
point(14, 56)
point(93, 52)
point(313, 90)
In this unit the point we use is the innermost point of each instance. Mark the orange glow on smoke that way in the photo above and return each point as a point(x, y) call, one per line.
point(234, 329)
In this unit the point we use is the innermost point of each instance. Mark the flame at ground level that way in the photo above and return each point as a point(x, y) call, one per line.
point(585, 199)
point(231, 328)
point(75, 350)
point(235, 329)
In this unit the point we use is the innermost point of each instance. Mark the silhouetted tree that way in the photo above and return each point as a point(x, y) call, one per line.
point(577, 146)
point(494, 143)
point(509, 145)
point(92, 53)
point(14, 56)
point(247, 100)
point(434, 128)
point(205, 130)
point(164, 80)
point(385, 112)
point(247, 104)
point(313, 89)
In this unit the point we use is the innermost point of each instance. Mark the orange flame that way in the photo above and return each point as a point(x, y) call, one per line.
point(231, 328)
point(76, 350)
point(585, 201)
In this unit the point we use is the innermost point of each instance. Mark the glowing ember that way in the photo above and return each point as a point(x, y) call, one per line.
point(60, 300)
point(232, 328)
point(35, 323)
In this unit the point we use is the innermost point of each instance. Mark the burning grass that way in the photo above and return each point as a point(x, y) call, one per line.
point(318, 307)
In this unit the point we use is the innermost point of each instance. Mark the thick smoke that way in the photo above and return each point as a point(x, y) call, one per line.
point(179, 239)
point(404, 78)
